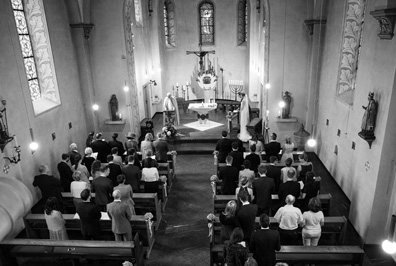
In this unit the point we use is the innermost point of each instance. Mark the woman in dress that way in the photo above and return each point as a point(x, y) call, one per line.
point(77, 186)
point(88, 159)
point(310, 190)
point(244, 118)
point(150, 175)
point(79, 167)
point(257, 142)
point(228, 220)
point(304, 167)
point(95, 169)
point(288, 148)
point(54, 220)
point(244, 185)
point(313, 220)
point(236, 252)
point(147, 144)
point(126, 193)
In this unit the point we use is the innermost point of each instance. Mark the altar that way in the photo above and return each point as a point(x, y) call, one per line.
point(202, 109)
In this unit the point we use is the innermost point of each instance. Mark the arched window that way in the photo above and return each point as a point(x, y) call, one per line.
point(138, 13)
point(206, 23)
point(242, 21)
point(31, 26)
point(169, 23)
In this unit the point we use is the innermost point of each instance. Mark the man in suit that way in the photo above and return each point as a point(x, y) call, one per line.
point(290, 187)
point(237, 156)
point(254, 158)
point(264, 242)
point(161, 148)
point(101, 147)
point(103, 188)
point(272, 148)
point(65, 172)
point(274, 172)
point(263, 188)
point(229, 177)
point(132, 174)
point(116, 144)
point(120, 216)
point(115, 170)
point(89, 216)
point(246, 215)
point(289, 218)
point(223, 146)
point(49, 186)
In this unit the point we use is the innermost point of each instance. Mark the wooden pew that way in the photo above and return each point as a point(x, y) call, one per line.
point(172, 166)
point(144, 202)
point(35, 225)
point(162, 193)
point(333, 231)
point(10, 250)
point(220, 201)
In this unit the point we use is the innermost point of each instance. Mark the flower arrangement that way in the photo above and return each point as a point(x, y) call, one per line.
point(216, 153)
point(163, 178)
point(173, 153)
point(127, 263)
point(169, 130)
point(214, 178)
point(211, 217)
point(148, 216)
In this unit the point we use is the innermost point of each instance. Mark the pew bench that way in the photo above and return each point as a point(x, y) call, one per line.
point(144, 202)
point(302, 255)
point(36, 227)
point(220, 202)
point(10, 250)
point(166, 170)
point(161, 193)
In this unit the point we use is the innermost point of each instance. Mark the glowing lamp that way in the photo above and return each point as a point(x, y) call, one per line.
point(311, 143)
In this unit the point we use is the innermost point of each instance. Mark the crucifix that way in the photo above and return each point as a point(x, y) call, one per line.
point(201, 54)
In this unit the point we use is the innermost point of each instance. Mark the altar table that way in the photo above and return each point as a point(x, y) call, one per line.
point(202, 109)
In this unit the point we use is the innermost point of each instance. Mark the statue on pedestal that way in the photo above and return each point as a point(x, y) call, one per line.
point(286, 110)
point(370, 113)
point(113, 105)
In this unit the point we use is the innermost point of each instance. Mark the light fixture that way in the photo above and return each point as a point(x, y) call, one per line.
point(389, 245)
point(126, 88)
point(282, 104)
point(152, 81)
point(267, 86)
point(33, 145)
point(311, 142)
point(95, 107)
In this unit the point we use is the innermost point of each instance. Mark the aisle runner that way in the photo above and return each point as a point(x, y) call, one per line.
point(202, 127)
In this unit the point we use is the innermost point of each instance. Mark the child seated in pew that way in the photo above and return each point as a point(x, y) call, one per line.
point(54, 220)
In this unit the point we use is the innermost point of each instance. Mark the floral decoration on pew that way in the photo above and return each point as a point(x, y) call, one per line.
point(211, 217)
point(127, 263)
point(213, 180)
point(215, 155)
point(149, 216)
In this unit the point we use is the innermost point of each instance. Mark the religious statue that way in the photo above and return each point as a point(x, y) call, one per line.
point(113, 105)
point(370, 113)
point(286, 110)
point(171, 110)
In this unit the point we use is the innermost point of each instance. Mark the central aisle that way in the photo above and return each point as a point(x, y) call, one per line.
point(182, 237)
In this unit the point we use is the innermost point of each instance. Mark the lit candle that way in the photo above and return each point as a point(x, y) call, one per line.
point(177, 84)
point(267, 113)
point(16, 142)
point(120, 116)
point(279, 113)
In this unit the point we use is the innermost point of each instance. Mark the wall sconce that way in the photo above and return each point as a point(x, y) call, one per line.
point(4, 134)
point(33, 145)
point(153, 82)
point(389, 245)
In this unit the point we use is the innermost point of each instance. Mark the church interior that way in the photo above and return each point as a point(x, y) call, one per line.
point(331, 57)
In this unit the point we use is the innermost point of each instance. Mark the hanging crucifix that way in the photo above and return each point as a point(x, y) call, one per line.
point(207, 75)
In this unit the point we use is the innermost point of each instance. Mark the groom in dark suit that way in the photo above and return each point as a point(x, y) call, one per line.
point(223, 146)
point(272, 148)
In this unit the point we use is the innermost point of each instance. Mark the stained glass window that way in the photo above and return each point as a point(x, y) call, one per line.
point(138, 12)
point(242, 21)
point(206, 15)
point(26, 48)
point(169, 23)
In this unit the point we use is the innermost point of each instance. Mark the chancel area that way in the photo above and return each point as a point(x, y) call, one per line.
point(178, 87)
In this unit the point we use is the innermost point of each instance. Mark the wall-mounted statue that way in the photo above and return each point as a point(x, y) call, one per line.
point(287, 100)
point(370, 114)
point(113, 105)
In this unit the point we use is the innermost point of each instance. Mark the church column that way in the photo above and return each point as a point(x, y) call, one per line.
point(316, 30)
point(80, 36)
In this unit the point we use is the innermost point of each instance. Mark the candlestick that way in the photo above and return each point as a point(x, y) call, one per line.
point(16, 142)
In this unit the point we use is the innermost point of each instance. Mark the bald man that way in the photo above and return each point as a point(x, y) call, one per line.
point(289, 218)
point(120, 216)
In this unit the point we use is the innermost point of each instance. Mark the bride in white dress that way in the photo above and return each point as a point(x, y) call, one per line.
point(244, 118)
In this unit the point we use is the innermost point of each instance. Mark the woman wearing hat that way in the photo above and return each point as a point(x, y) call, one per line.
point(131, 143)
